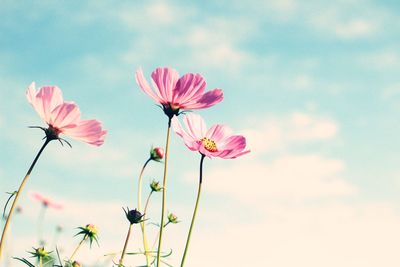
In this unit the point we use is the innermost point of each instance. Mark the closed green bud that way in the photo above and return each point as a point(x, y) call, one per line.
point(172, 218)
point(155, 186)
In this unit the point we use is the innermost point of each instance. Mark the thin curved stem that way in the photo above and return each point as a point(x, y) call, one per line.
point(164, 194)
point(21, 187)
point(77, 248)
point(121, 260)
point(194, 212)
point(142, 226)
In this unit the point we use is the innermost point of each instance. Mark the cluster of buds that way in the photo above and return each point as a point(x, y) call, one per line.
point(133, 216)
point(156, 154)
point(89, 231)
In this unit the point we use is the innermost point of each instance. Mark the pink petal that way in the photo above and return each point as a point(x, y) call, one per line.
point(206, 100)
point(189, 86)
point(143, 84)
point(45, 100)
point(195, 125)
point(89, 131)
point(233, 147)
point(65, 115)
point(218, 132)
point(189, 140)
point(165, 80)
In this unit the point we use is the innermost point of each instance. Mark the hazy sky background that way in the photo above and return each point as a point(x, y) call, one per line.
point(314, 86)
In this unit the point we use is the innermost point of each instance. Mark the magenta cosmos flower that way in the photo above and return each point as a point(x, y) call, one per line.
point(215, 142)
point(63, 117)
point(175, 94)
point(47, 202)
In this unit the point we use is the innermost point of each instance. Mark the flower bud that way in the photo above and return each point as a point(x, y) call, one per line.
point(40, 253)
point(90, 231)
point(157, 153)
point(172, 218)
point(133, 216)
point(76, 264)
point(155, 186)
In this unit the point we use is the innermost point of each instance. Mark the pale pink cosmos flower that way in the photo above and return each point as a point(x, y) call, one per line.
point(63, 117)
point(176, 93)
point(47, 202)
point(214, 142)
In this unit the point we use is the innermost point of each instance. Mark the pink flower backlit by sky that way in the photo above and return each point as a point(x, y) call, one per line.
point(215, 142)
point(176, 93)
point(64, 117)
point(47, 202)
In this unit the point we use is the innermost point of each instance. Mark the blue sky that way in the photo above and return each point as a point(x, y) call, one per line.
point(313, 85)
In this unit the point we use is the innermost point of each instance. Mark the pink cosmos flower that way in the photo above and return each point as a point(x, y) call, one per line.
point(47, 202)
point(63, 117)
point(215, 142)
point(175, 94)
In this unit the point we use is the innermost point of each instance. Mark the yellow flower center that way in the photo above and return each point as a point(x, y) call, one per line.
point(209, 144)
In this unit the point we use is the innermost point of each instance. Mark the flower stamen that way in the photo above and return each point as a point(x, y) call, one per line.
point(209, 144)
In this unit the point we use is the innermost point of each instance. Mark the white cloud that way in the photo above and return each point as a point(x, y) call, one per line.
point(355, 28)
point(216, 43)
point(387, 59)
point(391, 91)
point(269, 133)
point(330, 235)
point(287, 178)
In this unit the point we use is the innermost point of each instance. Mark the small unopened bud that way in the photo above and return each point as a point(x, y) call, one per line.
point(133, 216)
point(155, 186)
point(157, 153)
point(172, 218)
point(76, 264)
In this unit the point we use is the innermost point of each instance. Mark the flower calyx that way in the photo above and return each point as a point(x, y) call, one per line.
point(133, 216)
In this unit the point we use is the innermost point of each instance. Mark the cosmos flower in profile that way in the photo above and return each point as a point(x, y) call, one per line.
point(63, 117)
point(176, 93)
point(214, 142)
point(47, 202)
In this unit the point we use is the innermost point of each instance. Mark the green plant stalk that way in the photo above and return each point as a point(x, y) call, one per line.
point(164, 194)
point(18, 193)
point(194, 212)
point(121, 260)
point(77, 248)
point(142, 225)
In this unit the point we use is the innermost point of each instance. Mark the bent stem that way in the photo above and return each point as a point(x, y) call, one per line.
point(142, 225)
point(77, 248)
point(121, 260)
point(194, 212)
point(17, 194)
point(164, 193)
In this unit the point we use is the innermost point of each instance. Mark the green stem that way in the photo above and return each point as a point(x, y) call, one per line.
point(77, 248)
point(21, 187)
point(142, 226)
point(121, 260)
point(164, 193)
point(40, 261)
point(195, 211)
